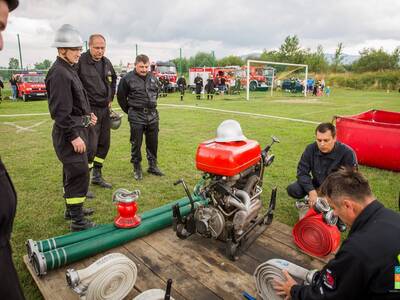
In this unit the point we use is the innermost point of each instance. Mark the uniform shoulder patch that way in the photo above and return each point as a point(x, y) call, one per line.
point(329, 279)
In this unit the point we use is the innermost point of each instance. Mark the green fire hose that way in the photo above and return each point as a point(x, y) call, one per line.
point(71, 238)
point(43, 262)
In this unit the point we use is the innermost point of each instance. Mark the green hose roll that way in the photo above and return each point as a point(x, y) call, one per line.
point(61, 256)
point(75, 237)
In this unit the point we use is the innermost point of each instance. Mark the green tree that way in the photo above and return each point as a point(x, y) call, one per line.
point(44, 65)
point(316, 61)
point(372, 60)
point(185, 64)
point(290, 51)
point(202, 59)
point(337, 63)
point(230, 60)
point(13, 63)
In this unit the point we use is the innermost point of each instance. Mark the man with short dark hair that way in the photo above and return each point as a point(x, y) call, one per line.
point(366, 263)
point(137, 95)
point(318, 160)
point(10, 287)
point(99, 80)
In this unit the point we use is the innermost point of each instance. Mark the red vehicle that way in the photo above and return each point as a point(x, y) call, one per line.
point(166, 70)
point(225, 72)
point(257, 75)
point(31, 85)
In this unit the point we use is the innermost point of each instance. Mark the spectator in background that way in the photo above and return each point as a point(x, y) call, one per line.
point(328, 91)
point(198, 81)
point(1, 87)
point(13, 83)
point(209, 88)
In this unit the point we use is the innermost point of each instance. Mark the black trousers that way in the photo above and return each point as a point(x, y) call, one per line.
point(295, 190)
point(150, 132)
point(75, 166)
point(99, 137)
point(181, 90)
point(9, 284)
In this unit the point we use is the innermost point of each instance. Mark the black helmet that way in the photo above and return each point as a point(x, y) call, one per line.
point(115, 119)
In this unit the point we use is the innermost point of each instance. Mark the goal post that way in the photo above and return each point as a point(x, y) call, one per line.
point(269, 63)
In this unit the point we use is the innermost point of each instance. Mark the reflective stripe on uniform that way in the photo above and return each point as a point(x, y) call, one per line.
point(76, 200)
point(90, 165)
point(98, 160)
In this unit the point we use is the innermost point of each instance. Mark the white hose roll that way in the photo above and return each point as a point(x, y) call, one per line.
point(111, 277)
point(270, 270)
point(153, 294)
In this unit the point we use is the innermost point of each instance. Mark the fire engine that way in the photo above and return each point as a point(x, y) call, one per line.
point(31, 85)
point(258, 77)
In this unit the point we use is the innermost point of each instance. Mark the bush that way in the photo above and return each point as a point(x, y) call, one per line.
point(388, 80)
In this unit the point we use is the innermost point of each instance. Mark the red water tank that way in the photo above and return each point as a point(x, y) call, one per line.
point(227, 159)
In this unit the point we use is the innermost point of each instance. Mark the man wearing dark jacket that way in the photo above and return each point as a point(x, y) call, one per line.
point(366, 263)
point(70, 109)
point(198, 81)
point(99, 80)
point(181, 83)
point(320, 159)
point(10, 287)
point(137, 95)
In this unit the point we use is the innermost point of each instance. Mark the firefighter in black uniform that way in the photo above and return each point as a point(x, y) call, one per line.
point(181, 86)
point(365, 265)
point(320, 159)
point(70, 109)
point(198, 81)
point(209, 88)
point(99, 80)
point(10, 287)
point(137, 95)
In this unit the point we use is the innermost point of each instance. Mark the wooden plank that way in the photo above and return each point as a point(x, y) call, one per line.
point(290, 254)
point(209, 267)
point(183, 282)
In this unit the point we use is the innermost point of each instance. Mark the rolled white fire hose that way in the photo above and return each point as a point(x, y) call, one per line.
point(111, 277)
point(153, 294)
point(270, 270)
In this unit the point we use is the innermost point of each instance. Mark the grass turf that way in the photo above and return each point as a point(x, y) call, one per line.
point(36, 172)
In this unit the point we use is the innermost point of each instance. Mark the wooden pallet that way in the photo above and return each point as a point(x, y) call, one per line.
point(197, 266)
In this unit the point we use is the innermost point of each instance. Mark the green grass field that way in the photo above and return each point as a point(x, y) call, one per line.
point(36, 172)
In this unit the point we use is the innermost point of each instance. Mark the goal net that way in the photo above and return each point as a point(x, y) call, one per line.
point(269, 76)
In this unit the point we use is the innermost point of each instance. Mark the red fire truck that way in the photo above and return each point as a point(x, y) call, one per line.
point(31, 85)
point(257, 75)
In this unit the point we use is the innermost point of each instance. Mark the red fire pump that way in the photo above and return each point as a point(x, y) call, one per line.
point(126, 202)
point(232, 187)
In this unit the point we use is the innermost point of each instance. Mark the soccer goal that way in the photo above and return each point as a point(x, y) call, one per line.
point(272, 74)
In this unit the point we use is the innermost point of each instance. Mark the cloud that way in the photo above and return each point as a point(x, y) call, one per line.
point(161, 27)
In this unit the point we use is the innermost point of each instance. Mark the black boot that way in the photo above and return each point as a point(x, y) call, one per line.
point(78, 222)
point(98, 179)
point(90, 195)
point(153, 169)
point(86, 212)
point(137, 171)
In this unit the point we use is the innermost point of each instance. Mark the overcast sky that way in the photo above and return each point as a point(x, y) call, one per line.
point(238, 27)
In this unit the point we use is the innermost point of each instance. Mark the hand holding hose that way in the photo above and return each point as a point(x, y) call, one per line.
point(283, 287)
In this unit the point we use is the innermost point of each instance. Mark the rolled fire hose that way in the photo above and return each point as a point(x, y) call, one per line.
point(314, 236)
point(270, 270)
point(53, 259)
point(153, 294)
point(111, 277)
point(75, 237)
